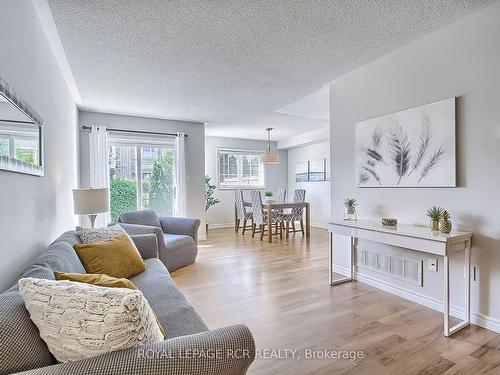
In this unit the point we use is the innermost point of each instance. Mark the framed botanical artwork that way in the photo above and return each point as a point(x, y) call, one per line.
point(410, 148)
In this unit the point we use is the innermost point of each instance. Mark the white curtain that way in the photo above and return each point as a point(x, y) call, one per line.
point(99, 168)
point(180, 175)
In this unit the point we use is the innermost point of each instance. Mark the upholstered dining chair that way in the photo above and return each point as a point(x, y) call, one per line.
point(297, 214)
point(241, 212)
point(281, 198)
point(260, 217)
point(281, 195)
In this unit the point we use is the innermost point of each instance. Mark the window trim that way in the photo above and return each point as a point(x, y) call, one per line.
point(239, 187)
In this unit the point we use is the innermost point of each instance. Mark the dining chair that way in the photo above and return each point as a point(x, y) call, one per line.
point(241, 212)
point(280, 198)
point(281, 195)
point(260, 217)
point(297, 214)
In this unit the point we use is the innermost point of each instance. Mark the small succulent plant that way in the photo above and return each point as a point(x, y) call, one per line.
point(268, 193)
point(435, 213)
point(350, 203)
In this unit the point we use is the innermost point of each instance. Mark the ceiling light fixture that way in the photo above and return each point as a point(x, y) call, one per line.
point(268, 157)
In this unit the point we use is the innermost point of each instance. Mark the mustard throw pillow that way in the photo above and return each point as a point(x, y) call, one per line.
point(101, 280)
point(95, 279)
point(117, 257)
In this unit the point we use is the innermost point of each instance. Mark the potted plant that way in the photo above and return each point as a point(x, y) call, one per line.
point(435, 213)
point(268, 195)
point(445, 223)
point(350, 209)
point(210, 200)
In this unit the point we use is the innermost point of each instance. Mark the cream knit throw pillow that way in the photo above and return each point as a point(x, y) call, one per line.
point(78, 320)
point(91, 235)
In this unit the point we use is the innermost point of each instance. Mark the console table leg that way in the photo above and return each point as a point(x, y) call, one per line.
point(354, 245)
point(331, 263)
point(448, 331)
point(330, 259)
point(467, 282)
point(446, 272)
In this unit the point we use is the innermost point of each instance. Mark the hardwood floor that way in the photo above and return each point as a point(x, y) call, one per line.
point(281, 292)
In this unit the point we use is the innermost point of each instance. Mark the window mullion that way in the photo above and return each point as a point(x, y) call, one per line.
point(138, 179)
point(12, 146)
point(239, 169)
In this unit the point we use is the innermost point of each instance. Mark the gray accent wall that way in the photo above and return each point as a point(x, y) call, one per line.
point(35, 210)
point(222, 215)
point(195, 151)
point(462, 60)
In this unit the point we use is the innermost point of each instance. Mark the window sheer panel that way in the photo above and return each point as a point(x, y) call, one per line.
point(240, 169)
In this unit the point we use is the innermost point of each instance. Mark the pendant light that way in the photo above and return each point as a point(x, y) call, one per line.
point(268, 157)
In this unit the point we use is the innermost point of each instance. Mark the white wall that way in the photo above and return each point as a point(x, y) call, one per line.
point(222, 214)
point(317, 193)
point(195, 151)
point(462, 60)
point(35, 210)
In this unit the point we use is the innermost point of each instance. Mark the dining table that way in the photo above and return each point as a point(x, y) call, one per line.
point(269, 206)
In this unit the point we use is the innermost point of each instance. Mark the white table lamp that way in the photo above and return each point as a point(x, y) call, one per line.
point(90, 201)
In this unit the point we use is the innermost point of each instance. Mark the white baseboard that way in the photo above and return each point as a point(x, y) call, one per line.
point(477, 318)
point(220, 226)
point(320, 226)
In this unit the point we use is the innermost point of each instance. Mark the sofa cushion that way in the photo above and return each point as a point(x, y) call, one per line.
point(117, 257)
point(173, 241)
point(173, 310)
point(180, 250)
point(21, 347)
point(79, 321)
point(145, 217)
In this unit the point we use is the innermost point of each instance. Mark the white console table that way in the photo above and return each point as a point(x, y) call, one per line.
point(412, 237)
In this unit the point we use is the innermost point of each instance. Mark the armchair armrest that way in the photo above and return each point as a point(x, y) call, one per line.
point(135, 229)
point(180, 225)
point(228, 350)
point(147, 244)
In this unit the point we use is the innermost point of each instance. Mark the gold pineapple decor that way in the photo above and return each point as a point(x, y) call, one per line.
point(445, 223)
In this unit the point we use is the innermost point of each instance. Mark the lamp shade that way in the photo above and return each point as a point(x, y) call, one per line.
point(269, 158)
point(91, 201)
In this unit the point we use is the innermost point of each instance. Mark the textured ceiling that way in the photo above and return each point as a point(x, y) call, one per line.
point(231, 63)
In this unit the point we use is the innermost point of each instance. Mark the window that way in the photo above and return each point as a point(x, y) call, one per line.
point(141, 177)
point(240, 169)
point(20, 146)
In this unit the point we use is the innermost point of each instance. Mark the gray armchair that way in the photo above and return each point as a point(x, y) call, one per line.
point(177, 236)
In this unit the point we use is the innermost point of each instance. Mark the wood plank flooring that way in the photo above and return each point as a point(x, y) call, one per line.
point(281, 292)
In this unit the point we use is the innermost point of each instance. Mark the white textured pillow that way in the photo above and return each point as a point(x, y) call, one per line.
point(91, 235)
point(78, 320)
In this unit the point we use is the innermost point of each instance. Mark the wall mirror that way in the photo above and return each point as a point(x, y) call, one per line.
point(21, 142)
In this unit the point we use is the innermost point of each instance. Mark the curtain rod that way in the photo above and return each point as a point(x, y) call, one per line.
point(134, 131)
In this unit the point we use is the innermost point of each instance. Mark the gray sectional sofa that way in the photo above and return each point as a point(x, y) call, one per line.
point(189, 347)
